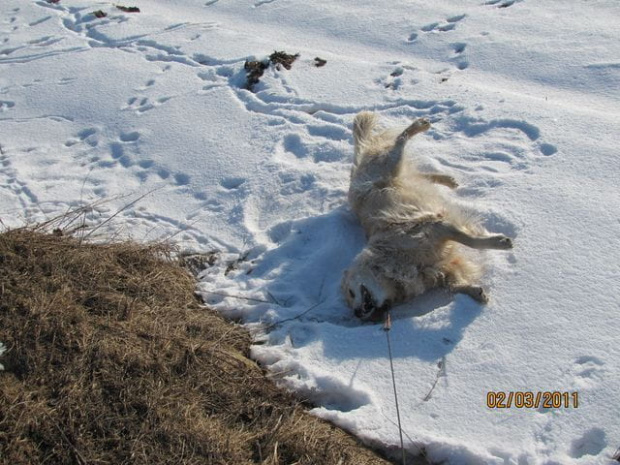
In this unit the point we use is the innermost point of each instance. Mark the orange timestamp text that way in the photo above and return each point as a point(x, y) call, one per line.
point(529, 399)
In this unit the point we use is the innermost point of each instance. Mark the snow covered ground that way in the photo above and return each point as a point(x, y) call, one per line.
point(145, 116)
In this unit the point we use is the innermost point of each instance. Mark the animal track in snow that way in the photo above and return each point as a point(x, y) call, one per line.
point(326, 391)
point(143, 104)
point(39, 21)
point(88, 136)
point(129, 136)
point(232, 183)
point(6, 105)
point(328, 131)
point(181, 179)
point(296, 183)
point(548, 149)
point(45, 41)
point(504, 146)
point(66, 80)
point(443, 26)
point(398, 77)
point(587, 371)
point(124, 152)
point(10, 181)
point(502, 3)
point(117, 151)
point(473, 127)
point(262, 2)
point(393, 81)
point(458, 58)
point(319, 151)
point(592, 442)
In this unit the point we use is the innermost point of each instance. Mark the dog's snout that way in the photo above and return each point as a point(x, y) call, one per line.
point(368, 306)
point(364, 313)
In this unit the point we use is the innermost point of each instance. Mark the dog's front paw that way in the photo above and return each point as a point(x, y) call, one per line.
point(501, 242)
point(421, 124)
point(451, 182)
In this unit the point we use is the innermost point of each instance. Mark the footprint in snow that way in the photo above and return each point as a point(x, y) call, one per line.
point(492, 149)
point(458, 57)
point(87, 136)
point(263, 2)
point(501, 3)
point(587, 371)
point(6, 105)
point(449, 24)
point(443, 26)
point(398, 77)
point(143, 104)
point(129, 136)
point(592, 442)
point(232, 183)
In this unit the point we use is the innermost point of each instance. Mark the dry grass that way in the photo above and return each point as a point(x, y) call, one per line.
point(112, 360)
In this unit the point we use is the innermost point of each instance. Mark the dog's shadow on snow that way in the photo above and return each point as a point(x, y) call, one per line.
point(302, 275)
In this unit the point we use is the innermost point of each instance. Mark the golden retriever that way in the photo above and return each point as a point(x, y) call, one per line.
point(412, 227)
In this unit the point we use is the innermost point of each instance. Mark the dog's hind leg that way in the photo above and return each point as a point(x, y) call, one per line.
point(459, 276)
point(444, 231)
point(442, 179)
point(475, 292)
point(363, 125)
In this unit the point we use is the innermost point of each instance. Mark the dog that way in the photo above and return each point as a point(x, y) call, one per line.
point(414, 230)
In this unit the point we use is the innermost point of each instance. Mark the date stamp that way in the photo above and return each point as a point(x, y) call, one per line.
point(529, 399)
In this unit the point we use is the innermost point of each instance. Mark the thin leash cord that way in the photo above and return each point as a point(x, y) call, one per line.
point(386, 327)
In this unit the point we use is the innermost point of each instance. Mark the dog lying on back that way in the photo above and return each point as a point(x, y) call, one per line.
point(413, 230)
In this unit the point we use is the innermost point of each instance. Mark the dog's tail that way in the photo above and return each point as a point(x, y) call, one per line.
point(363, 125)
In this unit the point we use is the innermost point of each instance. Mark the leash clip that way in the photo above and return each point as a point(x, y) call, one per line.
point(387, 322)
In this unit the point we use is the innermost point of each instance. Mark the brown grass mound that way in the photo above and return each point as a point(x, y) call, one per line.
point(112, 360)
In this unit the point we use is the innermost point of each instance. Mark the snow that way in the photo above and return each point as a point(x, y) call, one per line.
point(145, 116)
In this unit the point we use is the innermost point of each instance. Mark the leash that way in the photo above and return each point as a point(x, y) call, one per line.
point(387, 325)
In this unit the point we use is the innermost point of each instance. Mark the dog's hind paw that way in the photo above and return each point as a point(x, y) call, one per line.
point(475, 292)
point(501, 242)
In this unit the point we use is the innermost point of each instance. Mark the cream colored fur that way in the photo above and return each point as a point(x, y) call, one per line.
point(412, 227)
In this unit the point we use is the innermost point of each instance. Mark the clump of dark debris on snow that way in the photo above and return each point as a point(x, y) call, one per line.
point(255, 69)
point(283, 59)
point(128, 9)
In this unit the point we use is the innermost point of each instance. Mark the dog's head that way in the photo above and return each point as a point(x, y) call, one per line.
point(366, 291)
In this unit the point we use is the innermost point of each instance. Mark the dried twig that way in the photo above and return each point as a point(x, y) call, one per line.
point(440, 373)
